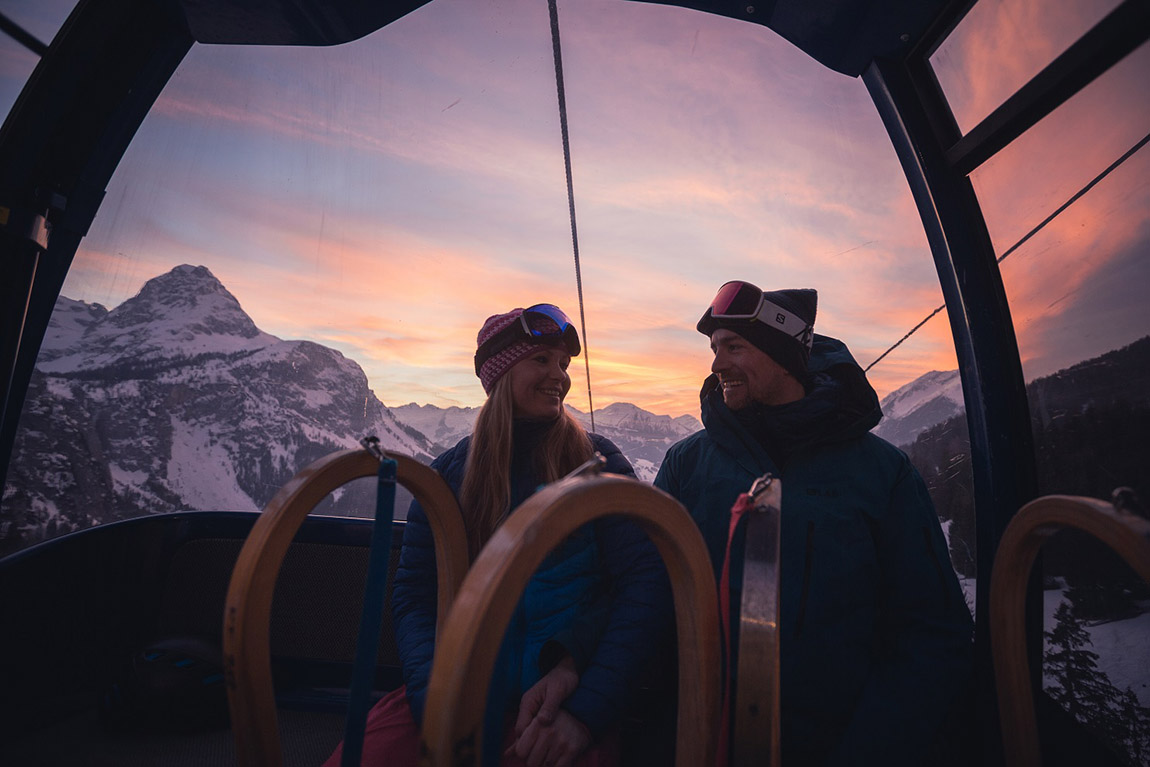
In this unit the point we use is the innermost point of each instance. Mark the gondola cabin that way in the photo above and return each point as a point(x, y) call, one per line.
point(185, 184)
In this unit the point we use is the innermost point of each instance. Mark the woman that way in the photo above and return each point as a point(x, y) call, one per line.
point(552, 652)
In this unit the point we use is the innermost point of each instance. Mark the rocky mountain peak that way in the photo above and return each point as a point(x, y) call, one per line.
point(70, 320)
point(191, 296)
point(911, 396)
point(175, 400)
point(183, 313)
point(927, 400)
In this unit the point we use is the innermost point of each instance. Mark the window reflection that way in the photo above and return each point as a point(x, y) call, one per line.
point(1074, 287)
point(1077, 295)
point(16, 64)
point(1054, 160)
point(40, 18)
point(1001, 44)
point(378, 200)
point(1095, 628)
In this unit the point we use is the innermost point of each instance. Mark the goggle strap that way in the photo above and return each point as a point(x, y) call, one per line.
point(513, 334)
point(496, 344)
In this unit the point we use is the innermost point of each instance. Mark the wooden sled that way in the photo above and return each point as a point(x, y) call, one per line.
point(465, 656)
point(247, 611)
point(1031, 527)
point(755, 715)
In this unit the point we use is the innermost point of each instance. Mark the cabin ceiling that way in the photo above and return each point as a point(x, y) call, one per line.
point(844, 35)
point(290, 22)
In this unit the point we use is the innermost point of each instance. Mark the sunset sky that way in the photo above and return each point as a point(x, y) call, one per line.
point(385, 196)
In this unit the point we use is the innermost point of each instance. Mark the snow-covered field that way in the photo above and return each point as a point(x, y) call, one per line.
point(1123, 647)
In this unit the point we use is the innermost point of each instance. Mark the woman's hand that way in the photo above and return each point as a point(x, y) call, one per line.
point(557, 744)
point(546, 735)
point(542, 701)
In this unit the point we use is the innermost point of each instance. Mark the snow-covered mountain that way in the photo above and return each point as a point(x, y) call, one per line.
point(443, 426)
point(642, 436)
point(184, 313)
point(175, 400)
point(927, 400)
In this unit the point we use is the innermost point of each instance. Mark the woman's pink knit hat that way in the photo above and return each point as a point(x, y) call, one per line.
point(498, 364)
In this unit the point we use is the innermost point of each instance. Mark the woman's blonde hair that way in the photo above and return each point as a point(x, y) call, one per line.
point(485, 496)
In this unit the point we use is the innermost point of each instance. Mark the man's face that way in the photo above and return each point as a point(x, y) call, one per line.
point(748, 375)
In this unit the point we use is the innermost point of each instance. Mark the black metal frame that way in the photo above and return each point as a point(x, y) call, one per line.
point(937, 160)
point(1111, 40)
point(72, 123)
point(1002, 450)
point(22, 36)
point(58, 149)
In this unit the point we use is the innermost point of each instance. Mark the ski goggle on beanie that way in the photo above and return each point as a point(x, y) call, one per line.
point(506, 339)
point(738, 300)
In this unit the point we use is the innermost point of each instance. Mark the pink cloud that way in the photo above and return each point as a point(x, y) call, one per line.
point(999, 46)
point(704, 149)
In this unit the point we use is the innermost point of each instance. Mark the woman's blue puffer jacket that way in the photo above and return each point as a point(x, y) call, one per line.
point(610, 555)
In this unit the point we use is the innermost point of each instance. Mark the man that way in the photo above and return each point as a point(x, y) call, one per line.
point(875, 636)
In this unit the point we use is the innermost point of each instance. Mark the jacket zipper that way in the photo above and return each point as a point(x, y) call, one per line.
point(937, 566)
point(810, 551)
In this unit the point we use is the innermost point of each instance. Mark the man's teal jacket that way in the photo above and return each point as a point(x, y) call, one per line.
point(875, 633)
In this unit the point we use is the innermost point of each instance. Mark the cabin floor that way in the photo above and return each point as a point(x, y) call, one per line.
point(83, 612)
point(307, 738)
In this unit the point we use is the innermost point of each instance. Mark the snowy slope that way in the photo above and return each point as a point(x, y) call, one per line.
point(176, 400)
point(443, 426)
point(642, 436)
point(183, 313)
point(1123, 652)
point(927, 400)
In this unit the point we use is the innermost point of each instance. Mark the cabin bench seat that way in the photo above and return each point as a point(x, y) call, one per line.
point(77, 609)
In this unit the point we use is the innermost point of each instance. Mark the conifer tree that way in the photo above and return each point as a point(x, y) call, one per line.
point(1073, 668)
point(1086, 692)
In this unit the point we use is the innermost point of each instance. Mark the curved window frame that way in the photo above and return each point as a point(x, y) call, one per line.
point(58, 153)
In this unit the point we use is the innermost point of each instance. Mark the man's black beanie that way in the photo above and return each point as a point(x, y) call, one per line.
point(792, 353)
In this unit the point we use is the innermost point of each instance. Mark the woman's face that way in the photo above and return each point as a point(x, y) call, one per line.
point(539, 383)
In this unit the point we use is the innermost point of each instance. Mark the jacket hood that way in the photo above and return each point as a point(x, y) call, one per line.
point(840, 403)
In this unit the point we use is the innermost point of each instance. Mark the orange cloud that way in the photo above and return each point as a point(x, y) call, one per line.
point(385, 197)
point(999, 46)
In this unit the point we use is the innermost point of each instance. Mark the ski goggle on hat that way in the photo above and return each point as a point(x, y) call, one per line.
point(738, 300)
point(551, 325)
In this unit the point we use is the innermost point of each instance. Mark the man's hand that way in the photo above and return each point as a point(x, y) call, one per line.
point(542, 701)
point(557, 744)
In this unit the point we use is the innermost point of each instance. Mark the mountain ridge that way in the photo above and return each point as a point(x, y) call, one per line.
point(936, 397)
point(916, 406)
point(176, 400)
point(642, 436)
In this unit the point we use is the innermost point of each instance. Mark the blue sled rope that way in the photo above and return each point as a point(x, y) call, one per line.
point(371, 620)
